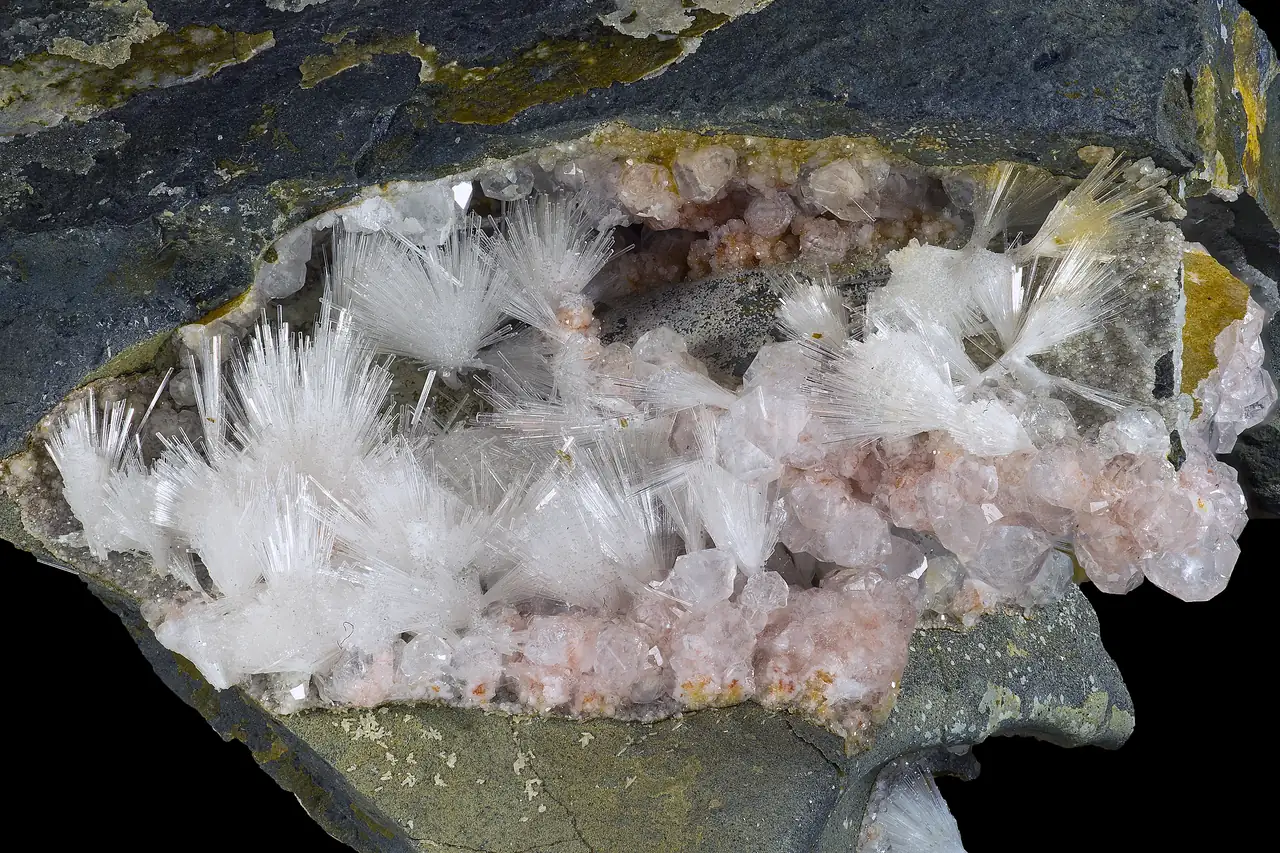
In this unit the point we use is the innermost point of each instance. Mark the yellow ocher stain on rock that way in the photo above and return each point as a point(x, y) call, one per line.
point(141, 25)
point(1215, 299)
point(547, 73)
point(44, 89)
point(1250, 86)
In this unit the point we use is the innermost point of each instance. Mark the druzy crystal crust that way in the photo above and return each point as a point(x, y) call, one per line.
point(594, 528)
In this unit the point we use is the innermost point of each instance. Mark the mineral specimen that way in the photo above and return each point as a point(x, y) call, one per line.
point(621, 534)
point(607, 512)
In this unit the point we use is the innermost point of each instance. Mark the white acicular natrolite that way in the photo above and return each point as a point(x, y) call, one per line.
point(439, 306)
point(550, 249)
point(580, 402)
point(1103, 208)
point(933, 283)
point(742, 518)
point(671, 389)
point(305, 405)
point(319, 527)
point(551, 245)
point(1007, 193)
point(894, 385)
point(811, 310)
point(105, 481)
point(405, 529)
point(913, 817)
point(315, 402)
point(289, 618)
point(583, 533)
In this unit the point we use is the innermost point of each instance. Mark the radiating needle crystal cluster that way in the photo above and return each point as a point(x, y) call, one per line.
point(618, 533)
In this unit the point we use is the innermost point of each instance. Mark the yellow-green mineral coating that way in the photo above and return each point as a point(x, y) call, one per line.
point(1228, 101)
point(137, 25)
point(1251, 85)
point(1215, 299)
point(547, 73)
point(43, 89)
point(347, 55)
point(142, 356)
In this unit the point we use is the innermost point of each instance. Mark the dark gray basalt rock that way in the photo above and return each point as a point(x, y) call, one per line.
point(239, 120)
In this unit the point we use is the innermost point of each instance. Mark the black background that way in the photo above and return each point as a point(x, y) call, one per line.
point(102, 743)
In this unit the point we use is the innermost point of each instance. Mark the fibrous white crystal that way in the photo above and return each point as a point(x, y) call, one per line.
point(527, 557)
point(673, 388)
point(583, 533)
point(938, 283)
point(314, 401)
point(437, 306)
point(96, 456)
point(1104, 208)
point(289, 619)
point(1004, 196)
point(811, 310)
point(892, 385)
point(911, 816)
point(550, 246)
point(402, 516)
point(741, 517)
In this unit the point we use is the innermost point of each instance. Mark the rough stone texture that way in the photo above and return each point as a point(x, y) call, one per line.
point(1258, 453)
point(724, 320)
point(170, 193)
point(408, 777)
point(1124, 356)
